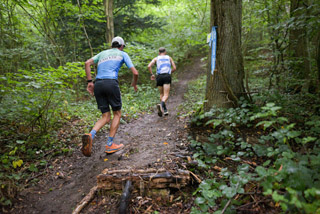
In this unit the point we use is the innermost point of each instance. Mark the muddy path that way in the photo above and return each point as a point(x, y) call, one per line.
point(149, 141)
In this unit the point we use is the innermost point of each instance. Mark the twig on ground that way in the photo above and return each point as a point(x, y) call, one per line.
point(196, 177)
point(85, 200)
point(254, 202)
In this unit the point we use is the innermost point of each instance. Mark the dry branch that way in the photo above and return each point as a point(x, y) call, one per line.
point(195, 177)
point(85, 200)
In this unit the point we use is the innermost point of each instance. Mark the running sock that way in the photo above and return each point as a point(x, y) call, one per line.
point(93, 133)
point(163, 104)
point(110, 141)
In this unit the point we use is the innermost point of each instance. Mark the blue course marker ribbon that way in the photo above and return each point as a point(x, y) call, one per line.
point(213, 44)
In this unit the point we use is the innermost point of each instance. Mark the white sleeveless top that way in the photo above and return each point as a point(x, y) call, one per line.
point(163, 65)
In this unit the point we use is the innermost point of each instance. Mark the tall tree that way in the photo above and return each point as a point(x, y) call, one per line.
point(298, 40)
point(108, 9)
point(225, 86)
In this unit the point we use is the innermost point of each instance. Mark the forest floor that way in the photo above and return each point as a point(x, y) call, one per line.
point(150, 142)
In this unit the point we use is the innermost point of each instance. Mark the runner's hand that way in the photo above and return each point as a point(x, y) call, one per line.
point(135, 87)
point(90, 88)
point(152, 77)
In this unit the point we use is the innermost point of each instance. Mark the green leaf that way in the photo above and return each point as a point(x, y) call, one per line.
point(200, 200)
point(266, 124)
point(229, 192)
point(306, 140)
point(16, 176)
point(266, 163)
point(33, 168)
point(20, 141)
point(278, 197)
point(261, 171)
point(293, 134)
point(208, 194)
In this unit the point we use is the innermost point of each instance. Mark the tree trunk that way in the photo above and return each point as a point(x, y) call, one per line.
point(225, 86)
point(108, 8)
point(318, 57)
point(298, 41)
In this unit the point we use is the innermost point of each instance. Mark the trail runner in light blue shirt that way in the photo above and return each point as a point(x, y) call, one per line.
point(107, 92)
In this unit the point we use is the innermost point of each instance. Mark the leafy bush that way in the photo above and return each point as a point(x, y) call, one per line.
point(194, 98)
point(289, 158)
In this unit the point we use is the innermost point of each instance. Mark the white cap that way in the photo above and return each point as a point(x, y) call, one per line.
point(119, 40)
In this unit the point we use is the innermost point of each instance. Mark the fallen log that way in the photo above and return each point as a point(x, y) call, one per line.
point(124, 171)
point(141, 179)
point(151, 179)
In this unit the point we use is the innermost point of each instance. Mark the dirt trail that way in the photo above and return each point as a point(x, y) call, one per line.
point(149, 140)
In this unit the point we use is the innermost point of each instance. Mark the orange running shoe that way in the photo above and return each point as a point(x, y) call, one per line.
point(113, 148)
point(86, 145)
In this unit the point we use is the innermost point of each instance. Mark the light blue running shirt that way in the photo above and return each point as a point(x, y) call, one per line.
point(163, 65)
point(110, 62)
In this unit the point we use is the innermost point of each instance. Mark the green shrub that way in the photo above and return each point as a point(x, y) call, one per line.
point(290, 171)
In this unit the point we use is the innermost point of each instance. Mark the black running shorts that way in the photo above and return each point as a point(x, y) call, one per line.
point(107, 92)
point(163, 79)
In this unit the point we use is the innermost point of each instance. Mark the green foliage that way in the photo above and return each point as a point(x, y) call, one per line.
point(289, 173)
point(141, 56)
point(194, 98)
point(268, 48)
point(35, 96)
point(141, 102)
point(33, 108)
point(185, 29)
point(228, 118)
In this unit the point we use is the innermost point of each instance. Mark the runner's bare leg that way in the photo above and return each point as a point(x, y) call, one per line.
point(166, 91)
point(102, 121)
point(115, 123)
point(161, 92)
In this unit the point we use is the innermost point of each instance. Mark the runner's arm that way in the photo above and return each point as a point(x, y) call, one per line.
point(173, 65)
point(90, 86)
point(150, 67)
point(135, 78)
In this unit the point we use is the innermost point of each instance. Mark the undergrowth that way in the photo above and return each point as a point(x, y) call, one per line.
point(193, 98)
point(259, 158)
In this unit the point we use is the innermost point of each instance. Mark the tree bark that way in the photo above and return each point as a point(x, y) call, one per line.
point(108, 8)
point(298, 41)
point(229, 73)
point(318, 57)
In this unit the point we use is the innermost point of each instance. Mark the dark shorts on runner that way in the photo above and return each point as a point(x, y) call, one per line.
point(107, 92)
point(163, 79)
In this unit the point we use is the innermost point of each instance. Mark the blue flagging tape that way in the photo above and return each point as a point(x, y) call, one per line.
point(213, 44)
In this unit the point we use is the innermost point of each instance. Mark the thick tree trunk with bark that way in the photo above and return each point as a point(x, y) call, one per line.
point(318, 57)
point(225, 86)
point(298, 41)
point(108, 8)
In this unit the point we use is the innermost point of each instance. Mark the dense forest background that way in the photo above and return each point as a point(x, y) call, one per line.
point(43, 89)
